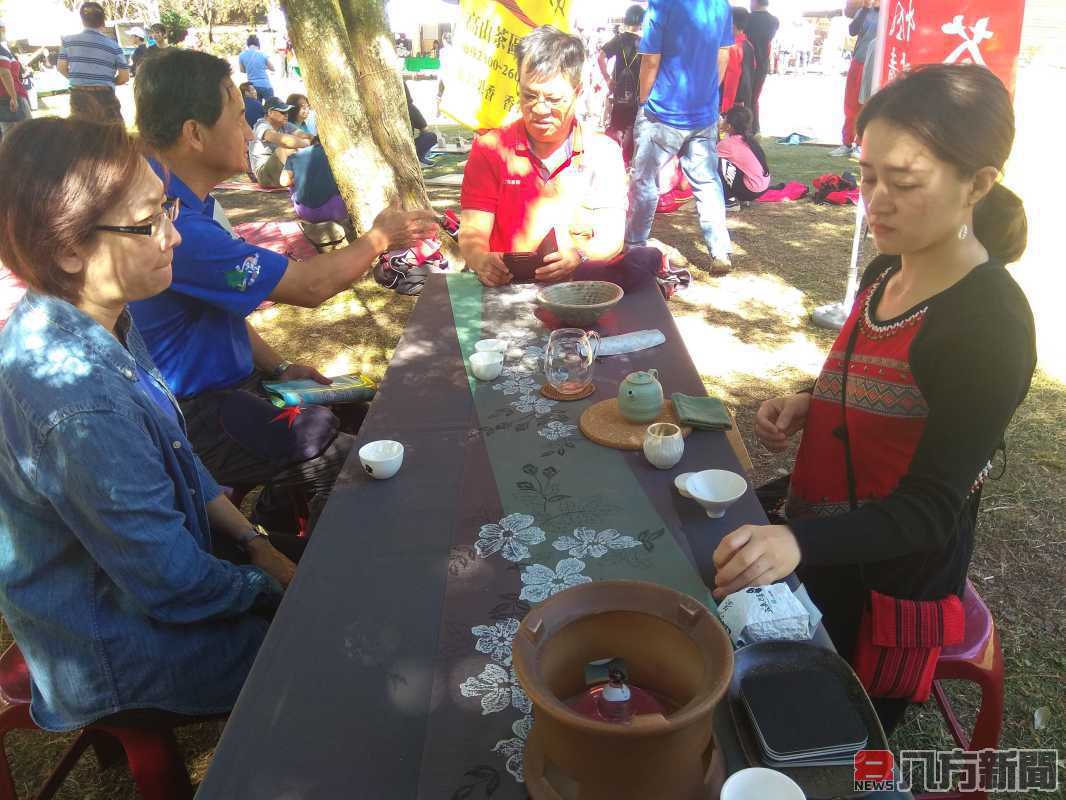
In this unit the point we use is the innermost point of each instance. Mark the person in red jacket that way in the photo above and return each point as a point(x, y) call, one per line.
point(14, 99)
point(737, 65)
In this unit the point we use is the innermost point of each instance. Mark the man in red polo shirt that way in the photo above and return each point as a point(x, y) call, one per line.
point(545, 173)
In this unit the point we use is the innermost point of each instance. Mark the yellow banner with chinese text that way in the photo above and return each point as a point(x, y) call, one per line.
point(480, 73)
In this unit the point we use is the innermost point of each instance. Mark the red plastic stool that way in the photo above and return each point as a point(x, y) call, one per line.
point(977, 659)
point(156, 763)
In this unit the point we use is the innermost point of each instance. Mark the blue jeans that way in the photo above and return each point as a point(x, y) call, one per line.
point(657, 143)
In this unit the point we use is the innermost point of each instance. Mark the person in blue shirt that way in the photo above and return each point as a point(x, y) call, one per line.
point(255, 64)
point(191, 115)
point(110, 525)
point(678, 115)
point(253, 109)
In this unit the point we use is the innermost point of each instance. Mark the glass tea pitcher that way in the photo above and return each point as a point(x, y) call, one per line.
point(569, 359)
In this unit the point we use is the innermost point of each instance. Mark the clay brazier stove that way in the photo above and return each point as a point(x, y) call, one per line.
point(673, 649)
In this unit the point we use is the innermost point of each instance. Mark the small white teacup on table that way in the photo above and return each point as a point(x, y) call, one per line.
point(381, 459)
point(491, 346)
point(486, 364)
point(760, 783)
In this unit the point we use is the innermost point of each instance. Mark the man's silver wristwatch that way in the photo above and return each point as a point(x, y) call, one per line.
point(279, 370)
point(250, 535)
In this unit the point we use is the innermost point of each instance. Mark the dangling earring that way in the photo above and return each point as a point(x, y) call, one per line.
point(964, 233)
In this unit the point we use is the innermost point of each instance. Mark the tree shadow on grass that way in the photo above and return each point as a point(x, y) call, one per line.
point(804, 244)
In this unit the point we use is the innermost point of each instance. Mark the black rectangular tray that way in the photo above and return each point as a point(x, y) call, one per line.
point(818, 783)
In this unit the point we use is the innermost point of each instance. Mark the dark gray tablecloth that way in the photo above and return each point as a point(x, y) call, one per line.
point(347, 695)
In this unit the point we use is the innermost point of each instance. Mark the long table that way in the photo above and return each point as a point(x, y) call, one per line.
point(386, 672)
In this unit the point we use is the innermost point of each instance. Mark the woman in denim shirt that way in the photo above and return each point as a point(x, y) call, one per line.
point(107, 578)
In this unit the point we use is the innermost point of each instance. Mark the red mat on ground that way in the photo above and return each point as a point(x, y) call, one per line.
point(282, 237)
point(793, 190)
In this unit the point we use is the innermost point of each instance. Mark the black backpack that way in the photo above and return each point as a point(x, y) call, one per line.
point(627, 73)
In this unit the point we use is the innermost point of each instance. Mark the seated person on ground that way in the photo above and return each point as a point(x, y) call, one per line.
point(108, 519)
point(274, 139)
point(936, 355)
point(302, 115)
point(190, 113)
point(424, 138)
point(253, 109)
point(546, 172)
point(315, 196)
point(741, 161)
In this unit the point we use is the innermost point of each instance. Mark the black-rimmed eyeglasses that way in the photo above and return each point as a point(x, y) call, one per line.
point(170, 210)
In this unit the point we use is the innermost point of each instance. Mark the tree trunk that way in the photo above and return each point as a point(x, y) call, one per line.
point(347, 61)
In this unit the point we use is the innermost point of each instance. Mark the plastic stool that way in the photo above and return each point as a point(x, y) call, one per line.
point(977, 659)
point(156, 763)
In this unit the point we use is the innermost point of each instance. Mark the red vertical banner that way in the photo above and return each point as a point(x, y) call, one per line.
point(985, 32)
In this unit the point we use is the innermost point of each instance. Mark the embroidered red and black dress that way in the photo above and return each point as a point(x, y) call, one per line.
point(929, 397)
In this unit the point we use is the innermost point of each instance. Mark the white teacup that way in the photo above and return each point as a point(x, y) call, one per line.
point(663, 445)
point(381, 459)
point(491, 346)
point(759, 783)
point(681, 482)
point(486, 364)
point(716, 490)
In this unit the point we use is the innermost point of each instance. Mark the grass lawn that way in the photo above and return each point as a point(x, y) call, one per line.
point(750, 338)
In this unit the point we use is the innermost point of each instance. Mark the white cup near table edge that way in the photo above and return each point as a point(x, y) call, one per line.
point(760, 783)
point(486, 365)
point(381, 459)
point(491, 346)
point(715, 490)
point(681, 482)
point(663, 444)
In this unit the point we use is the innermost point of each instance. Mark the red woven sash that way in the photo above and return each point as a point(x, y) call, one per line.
point(900, 641)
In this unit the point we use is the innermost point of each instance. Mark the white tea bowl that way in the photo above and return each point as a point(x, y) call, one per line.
point(486, 365)
point(716, 490)
point(759, 783)
point(491, 346)
point(381, 459)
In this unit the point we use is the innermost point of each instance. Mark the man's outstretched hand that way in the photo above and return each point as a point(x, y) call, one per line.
point(491, 270)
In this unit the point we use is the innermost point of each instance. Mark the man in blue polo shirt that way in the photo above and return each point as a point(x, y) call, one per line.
point(190, 113)
point(255, 64)
point(679, 115)
point(94, 64)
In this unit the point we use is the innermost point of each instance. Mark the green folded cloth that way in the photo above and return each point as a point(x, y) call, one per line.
point(706, 413)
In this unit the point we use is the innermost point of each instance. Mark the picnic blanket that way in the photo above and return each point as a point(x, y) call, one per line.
point(674, 188)
point(283, 237)
point(784, 193)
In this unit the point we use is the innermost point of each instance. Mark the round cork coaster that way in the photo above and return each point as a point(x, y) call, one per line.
point(604, 424)
point(549, 391)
